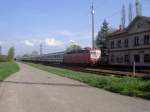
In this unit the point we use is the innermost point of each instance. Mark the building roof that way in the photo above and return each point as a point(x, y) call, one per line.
point(146, 19)
point(125, 30)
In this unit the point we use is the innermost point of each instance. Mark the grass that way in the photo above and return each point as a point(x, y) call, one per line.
point(129, 86)
point(7, 68)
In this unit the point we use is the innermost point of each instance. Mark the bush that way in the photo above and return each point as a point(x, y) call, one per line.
point(3, 58)
point(145, 86)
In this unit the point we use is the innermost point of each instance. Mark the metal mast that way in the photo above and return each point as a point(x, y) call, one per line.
point(0, 49)
point(123, 17)
point(41, 49)
point(130, 13)
point(92, 13)
point(138, 8)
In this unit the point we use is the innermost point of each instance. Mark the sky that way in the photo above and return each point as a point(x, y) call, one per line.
point(25, 24)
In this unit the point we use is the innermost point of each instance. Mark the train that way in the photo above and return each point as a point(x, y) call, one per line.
point(86, 56)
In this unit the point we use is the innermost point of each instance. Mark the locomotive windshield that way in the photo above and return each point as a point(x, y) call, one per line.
point(95, 53)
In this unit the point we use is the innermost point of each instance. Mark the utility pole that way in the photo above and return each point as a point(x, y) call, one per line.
point(41, 49)
point(92, 13)
point(0, 50)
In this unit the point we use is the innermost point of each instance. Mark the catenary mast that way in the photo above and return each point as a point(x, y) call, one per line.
point(92, 13)
point(138, 8)
point(123, 17)
point(130, 13)
point(41, 49)
point(0, 50)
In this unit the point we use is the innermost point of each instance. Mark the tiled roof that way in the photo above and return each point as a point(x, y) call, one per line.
point(117, 32)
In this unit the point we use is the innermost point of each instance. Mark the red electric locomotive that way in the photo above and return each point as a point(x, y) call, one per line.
point(87, 56)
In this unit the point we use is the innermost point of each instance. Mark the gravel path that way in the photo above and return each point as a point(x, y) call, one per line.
point(33, 90)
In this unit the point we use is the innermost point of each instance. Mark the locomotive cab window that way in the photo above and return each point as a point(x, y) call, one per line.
point(93, 53)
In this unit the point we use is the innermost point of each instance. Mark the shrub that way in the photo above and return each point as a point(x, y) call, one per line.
point(3, 58)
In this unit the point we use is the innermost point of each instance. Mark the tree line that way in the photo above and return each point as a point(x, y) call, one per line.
point(9, 57)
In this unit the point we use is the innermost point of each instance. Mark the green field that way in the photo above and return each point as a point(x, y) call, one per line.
point(130, 86)
point(7, 68)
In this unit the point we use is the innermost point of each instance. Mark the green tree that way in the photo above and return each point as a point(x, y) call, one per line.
point(73, 48)
point(101, 37)
point(11, 53)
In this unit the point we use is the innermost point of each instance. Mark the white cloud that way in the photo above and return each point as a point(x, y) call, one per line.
point(28, 43)
point(73, 42)
point(52, 42)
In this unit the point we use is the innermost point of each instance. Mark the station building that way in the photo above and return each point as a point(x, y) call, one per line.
point(131, 44)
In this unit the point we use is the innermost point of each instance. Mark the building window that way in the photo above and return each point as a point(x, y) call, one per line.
point(119, 59)
point(112, 58)
point(147, 58)
point(126, 41)
point(112, 44)
point(136, 41)
point(146, 39)
point(126, 58)
point(137, 58)
point(119, 43)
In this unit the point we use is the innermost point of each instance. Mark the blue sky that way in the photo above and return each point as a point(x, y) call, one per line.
point(56, 24)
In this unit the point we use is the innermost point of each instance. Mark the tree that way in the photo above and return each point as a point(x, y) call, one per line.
point(11, 53)
point(73, 48)
point(101, 37)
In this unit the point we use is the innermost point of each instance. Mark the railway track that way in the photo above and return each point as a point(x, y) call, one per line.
point(102, 71)
point(120, 73)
